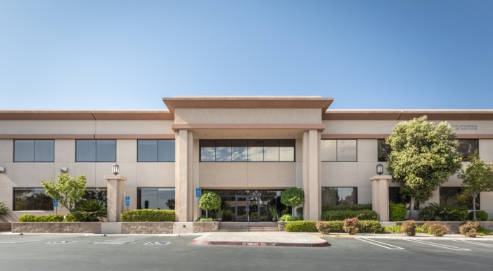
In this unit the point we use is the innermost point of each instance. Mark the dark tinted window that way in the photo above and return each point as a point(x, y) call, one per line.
point(155, 150)
point(166, 151)
point(240, 150)
point(156, 198)
point(34, 150)
point(207, 150)
point(27, 199)
point(383, 150)
point(286, 149)
point(453, 196)
point(223, 150)
point(332, 196)
point(467, 147)
point(95, 150)
point(338, 150)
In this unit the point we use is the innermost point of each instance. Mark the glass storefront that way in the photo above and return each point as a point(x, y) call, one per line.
point(253, 205)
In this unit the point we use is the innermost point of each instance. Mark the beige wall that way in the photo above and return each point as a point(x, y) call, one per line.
point(247, 116)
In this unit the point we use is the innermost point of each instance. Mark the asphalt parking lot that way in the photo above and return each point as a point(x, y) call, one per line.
point(147, 252)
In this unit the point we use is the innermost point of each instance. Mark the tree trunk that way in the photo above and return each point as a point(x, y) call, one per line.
point(474, 207)
point(206, 213)
point(411, 208)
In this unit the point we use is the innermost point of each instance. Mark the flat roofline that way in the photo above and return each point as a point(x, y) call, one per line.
point(408, 114)
point(249, 102)
point(86, 115)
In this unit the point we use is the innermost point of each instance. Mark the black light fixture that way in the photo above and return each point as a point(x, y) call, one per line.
point(116, 169)
point(379, 169)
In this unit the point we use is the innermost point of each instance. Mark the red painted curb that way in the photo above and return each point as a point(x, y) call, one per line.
point(259, 244)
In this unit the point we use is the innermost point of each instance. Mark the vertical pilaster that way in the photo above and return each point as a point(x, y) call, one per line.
point(190, 181)
point(313, 175)
point(306, 187)
point(181, 175)
point(115, 194)
point(380, 196)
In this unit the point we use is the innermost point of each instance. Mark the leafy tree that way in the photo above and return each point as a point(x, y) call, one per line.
point(293, 197)
point(209, 201)
point(422, 158)
point(477, 177)
point(3, 208)
point(67, 190)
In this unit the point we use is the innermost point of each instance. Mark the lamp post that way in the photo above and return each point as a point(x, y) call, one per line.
point(379, 169)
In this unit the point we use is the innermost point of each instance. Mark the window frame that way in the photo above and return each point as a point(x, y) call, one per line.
point(34, 201)
point(34, 151)
point(247, 148)
point(337, 155)
point(96, 151)
point(157, 151)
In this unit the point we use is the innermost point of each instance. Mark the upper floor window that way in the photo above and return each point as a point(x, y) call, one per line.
point(28, 199)
point(34, 150)
point(467, 147)
point(155, 150)
point(383, 150)
point(95, 150)
point(338, 150)
point(243, 150)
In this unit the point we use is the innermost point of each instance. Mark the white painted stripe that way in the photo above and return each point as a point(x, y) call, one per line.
point(438, 245)
point(478, 243)
point(378, 243)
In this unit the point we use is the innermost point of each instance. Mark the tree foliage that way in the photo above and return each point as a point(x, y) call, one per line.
point(293, 196)
point(423, 157)
point(67, 190)
point(476, 177)
point(3, 208)
point(209, 201)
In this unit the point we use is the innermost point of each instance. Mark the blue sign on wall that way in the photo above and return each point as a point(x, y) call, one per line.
point(197, 192)
point(127, 201)
point(55, 203)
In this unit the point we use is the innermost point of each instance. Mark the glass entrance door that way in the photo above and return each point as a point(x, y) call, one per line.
point(247, 208)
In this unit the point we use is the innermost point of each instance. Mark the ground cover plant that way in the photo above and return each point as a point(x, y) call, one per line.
point(343, 214)
point(147, 215)
point(397, 212)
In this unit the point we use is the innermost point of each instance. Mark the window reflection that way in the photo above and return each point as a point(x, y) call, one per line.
point(338, 150)
point(223, 150)
point(156, 198)
point(271, 150)
point(255, 150)
point(26, 199)
point(333, 196)
point(239, 150)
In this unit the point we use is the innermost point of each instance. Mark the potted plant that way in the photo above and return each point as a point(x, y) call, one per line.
point(273, 212)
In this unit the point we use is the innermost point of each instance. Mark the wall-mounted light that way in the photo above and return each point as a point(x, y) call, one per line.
point(116, 169)
point(63, 169)
point(2, 170)
point(379, 169)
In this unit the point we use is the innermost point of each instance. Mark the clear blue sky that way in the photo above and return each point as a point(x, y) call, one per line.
point(129, 54)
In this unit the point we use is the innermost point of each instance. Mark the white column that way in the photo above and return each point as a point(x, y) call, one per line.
point(306, 188)
point(311, 175)
point(181, 175)
point(380, 196)
point(115, 196)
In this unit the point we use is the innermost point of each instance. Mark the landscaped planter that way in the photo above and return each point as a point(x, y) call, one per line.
point(147, 227)
point(56, 227)
point(5, 226)
point(205, 226)
point(281, 225)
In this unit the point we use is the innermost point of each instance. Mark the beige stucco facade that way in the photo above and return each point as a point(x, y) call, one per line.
point(190, 120)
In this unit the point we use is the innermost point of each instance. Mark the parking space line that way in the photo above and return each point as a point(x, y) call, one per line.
point(378, 243)
point(423, 242)
point(478, 243)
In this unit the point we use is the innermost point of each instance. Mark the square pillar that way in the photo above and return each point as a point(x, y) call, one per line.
point(181, 175)
point(311, 174)
point(380, 196)
point(115, 196)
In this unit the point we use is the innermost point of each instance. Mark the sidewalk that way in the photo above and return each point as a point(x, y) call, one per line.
point(261, 239)
point(401, 236)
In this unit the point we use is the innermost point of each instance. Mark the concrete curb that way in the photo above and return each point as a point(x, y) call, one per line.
point(259, 244)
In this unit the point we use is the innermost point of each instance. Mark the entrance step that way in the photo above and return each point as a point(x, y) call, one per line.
point(243, 226)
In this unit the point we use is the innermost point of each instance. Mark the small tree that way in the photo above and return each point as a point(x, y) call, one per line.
point(476, 177)
point(209, 201)
point(67, 190)
point(293, 197)
point(3, 208)
point(422, 158)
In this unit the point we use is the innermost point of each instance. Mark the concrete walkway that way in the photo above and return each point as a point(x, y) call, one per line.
point(260, 239)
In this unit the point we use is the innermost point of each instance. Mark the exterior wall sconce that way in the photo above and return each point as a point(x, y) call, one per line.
point(63, 169)
point(379, 169)
point(2, 170)
point(116, 169)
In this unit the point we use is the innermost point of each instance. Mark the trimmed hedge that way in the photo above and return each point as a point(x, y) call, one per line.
point(44, 218)
point(341, 215)
point(353, 207)
point(397, 212)
point(436, 212)
point(147, 215)
point(366, 226)
point(480, 215)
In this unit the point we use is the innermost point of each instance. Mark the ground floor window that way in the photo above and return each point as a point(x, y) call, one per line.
point(333, 196)
point(32, 199)
point(156, 198)
point(96, 193)
point(251, 205)
point(453, 196)
point(395, 197)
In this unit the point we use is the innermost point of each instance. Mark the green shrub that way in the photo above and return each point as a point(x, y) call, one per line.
point(352, 207)
point(70, 218)
point(293, 196)
point(470, 228)
point(3, 208)
point(436, 212)
point(351, 225)
point(203, 219)
point(437, 229)
point(480, 215)
point(392, 229)
point(426, 227)
point(483, 232)
point(397, 212)
point(45, 218)
point(147, 215)
point(409, 227)
point(369, 226)
point(288, 217)
point(301, 226)
point(323, 227)
point(341, 215)
point(336, 226)
point(91, 210)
